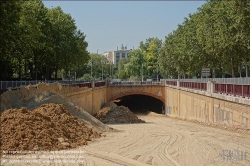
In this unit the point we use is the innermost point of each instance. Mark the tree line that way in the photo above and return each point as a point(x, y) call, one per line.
point(42, 43)
point(38, 42)
point(216, 36)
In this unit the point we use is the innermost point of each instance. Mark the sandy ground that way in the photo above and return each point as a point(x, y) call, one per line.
point(159, 142)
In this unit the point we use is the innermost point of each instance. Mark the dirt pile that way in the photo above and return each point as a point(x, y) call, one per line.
point(149, 113)
point(47, 127)
point(108, 104)
point(14, 98)
point(51, 97)
point(117, 114)
point(75, 110)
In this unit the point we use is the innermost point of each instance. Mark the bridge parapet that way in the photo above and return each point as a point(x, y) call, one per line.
point(136, 83)
point(156, 91)
point(231, 89)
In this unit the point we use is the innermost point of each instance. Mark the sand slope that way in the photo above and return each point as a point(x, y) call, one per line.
point(161, 142)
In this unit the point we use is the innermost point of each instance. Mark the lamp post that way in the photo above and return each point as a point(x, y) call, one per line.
point(102, 68)
point(142, 72)
point(90, 64)
point(91, 69)
point(111, 70)
point(157, 73)
point(34, 67)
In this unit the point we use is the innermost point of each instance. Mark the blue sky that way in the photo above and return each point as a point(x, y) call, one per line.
point(108, 24)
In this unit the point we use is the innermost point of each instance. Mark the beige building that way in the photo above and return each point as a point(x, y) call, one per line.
point(115, 56)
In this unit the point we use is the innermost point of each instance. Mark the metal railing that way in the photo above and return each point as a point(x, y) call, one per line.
point(5, 85)
point(232, 89)
point(131, 83)
point(194, 85)
point(242, 80)
point(228, 86)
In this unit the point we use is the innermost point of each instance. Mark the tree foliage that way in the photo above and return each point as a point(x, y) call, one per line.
point(216, 36)
point(37, 42)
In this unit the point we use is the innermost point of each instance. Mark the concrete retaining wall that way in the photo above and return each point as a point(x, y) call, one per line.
point(202, 108)
point(90, 100)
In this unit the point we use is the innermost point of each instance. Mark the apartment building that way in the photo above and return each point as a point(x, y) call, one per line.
point(115, 56)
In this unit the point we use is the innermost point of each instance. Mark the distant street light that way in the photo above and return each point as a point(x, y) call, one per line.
point(142, 72)
point(34, 67)
point(90, 64)
point(102, 61)
point(110, 70)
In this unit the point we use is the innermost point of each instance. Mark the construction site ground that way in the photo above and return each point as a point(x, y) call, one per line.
point(161, 141)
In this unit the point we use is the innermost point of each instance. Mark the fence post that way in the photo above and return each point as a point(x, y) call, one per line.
point(212, 86)
point(93, 84)
point(233, 90)
point(242, 88)
point(226, 90)
point(209, 86)
point(178, 83)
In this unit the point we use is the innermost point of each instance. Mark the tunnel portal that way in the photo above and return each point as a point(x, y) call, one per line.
point(141, 104)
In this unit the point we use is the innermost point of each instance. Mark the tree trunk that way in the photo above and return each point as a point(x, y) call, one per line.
point(25, 66)
point(239, 70)
point(213, 73)
point(5, 71)
point(232, 65)
point(35, 66)
point(223, 72)
point(20, 69)
point(47, 74)
point(246, 71)
point(56, 73)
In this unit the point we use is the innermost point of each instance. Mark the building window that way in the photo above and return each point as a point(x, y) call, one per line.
point(123, 55)
point(117, 54)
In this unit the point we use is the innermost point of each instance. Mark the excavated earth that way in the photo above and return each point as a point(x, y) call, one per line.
point(113, 114)
point(47, 127)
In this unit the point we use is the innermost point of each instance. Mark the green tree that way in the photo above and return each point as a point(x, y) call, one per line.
point(9, 34)
point(136, 65)
point(151, 50)
point(121, 68)
point(100, 66)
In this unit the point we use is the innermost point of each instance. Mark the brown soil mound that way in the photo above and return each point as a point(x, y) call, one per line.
point(51, 97)
point(109, 104)
point(116, 115)
point(47, 127)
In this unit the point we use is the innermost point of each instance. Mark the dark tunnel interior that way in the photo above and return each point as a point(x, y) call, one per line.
point(141, 104)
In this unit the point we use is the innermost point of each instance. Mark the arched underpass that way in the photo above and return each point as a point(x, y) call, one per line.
point(141, 104)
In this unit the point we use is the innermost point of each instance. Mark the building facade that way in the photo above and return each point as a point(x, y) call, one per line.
point(115, 56)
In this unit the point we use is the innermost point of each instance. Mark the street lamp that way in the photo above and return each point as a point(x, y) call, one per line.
point(102, 67)
point(91, 69)
point(90, 64)
point(142, 72)
point(110, 70)
point(34, 67)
